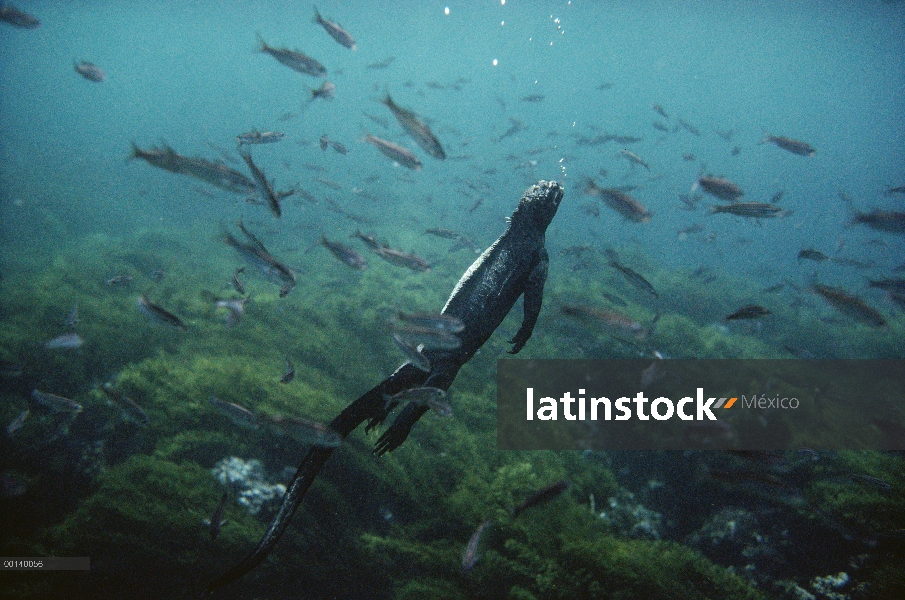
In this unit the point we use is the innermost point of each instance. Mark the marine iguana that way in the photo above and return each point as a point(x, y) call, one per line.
point(514, 265)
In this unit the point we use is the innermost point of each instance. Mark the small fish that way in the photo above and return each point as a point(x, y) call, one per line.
point(395, 152)
point(216, 520)
point(67, 341)
point(403, 259)
point(872, 481)
point(754, 210)
point(297, 61)
point(660, 126)
point(438, 322)
point(619, 201)
point(688, 157)
point(750, 311)
point(631, 276)
point(346, 255)
point(236, 413)
point(413, 353)
point(235, 309)
point(470, 556)
point(777, 197)
point(324, 142)
point(428, 337)
point(289, 373)
point(16, 424)
point(72, 319)
point(689, 128)
point(120, 280)
point(89, 71)
point(336, 32)
point(899, 189)
point(542, 496)
point(774, 288)
point(890, 221)
point(896, 286)
point(56, 403)
point(850, 305)
point(793, 146)
point(721, 188)
point(615, 323)
point(284, 290)
point(259, 137)
point(383, 64)
point(263, 187)
point(14, 16)
point(126, 403)
point(304, 431)
point(634, 159)
point(811, 254)
point(159, 314)
point(533, 98)
point(659, 110)
point(339, 148)
point(435, 398)
point(327, 91)
point(416, 128)
point(238, 285)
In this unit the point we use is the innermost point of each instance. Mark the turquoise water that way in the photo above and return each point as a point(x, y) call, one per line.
point(75, 211)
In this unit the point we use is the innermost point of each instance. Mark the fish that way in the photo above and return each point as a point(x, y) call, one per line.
point(659, 110)
point(236, 413)
point(235, 308)
point(383, 64)
point(850, 305)
point(755, 210)
point(875, 482)
point(159, 314)
point(214, 173)
point(890, 221)
point(688, 157)
point(16, 424)
point(371, 240)
point(634, 158)
point(324, 142)
point(127, 403)
point(631, 276)
point(432, 397)
point(689, 128)
point(238, 285)
point(289, 373)
point(470, 556)
point(899, 189)
point(403, 259)
point(339, 148)
point(14, 16)
point(428, 337)
point(749, 311)
point(811, 254)
point(304, 431)
point(120, 280)
point(616, 323)
point(659, 126)
point(652, 372)
point(344, 254)
point(417, 129)
point(216, 520)
point(776, 287)
point(56, 403)
point(67, 341)
point(533, 98)
point(327, 91)
point(619, 201)
point(890, 285)
point(258, 256)
point(541, 496)
point(414, 353)
point(775, 198)
point(436, 321)
point(264, 187)
point(259, 137)
point(793, 146)
point(395, 152)
point(721, 188)
point(89, 71)
point(514, 128)
point(157, 275)
point(295, 60)
point(336, 32)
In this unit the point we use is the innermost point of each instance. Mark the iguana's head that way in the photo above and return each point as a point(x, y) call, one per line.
point(538, 205)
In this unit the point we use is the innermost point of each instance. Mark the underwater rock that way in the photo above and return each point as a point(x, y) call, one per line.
point(247, 479)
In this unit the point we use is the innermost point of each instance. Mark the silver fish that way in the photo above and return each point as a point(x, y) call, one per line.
point(289, 374)
point(256, 255)
point(235, 308)
point(395, 152)
point(217, 521)
point(470, 556)
point(304, 431)
point(414, 354)
point(89, 71)
point(433, 397)
point(56, 403)
point(67, 341)
point(439, 322)
point(336, 32)
point(293, 59)
point(259, 137)
point(127, 403)
point(236, 413)
point(264, 187)
point(158, 314)
point(16, 424)
point(419, 131)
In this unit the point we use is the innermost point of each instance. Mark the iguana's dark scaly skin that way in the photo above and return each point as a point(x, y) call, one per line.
point(515, 265)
